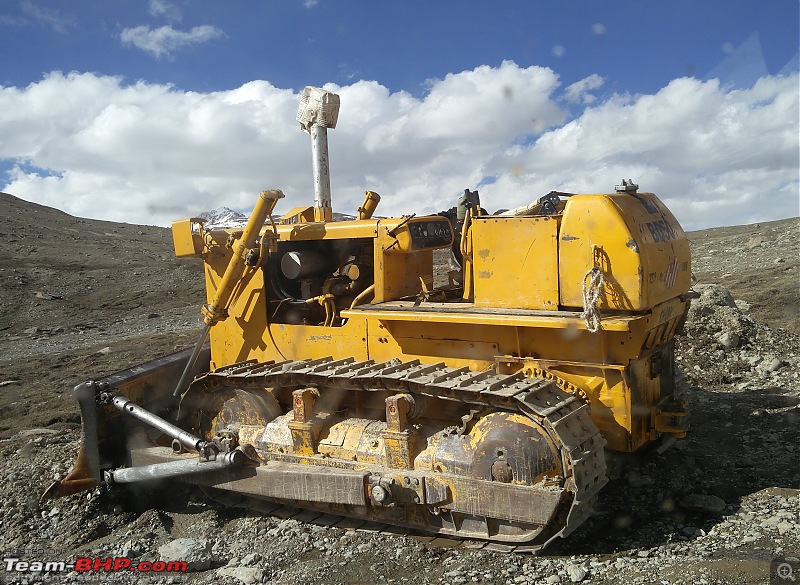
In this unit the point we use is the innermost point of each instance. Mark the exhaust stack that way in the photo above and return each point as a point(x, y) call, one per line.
point(318, 111)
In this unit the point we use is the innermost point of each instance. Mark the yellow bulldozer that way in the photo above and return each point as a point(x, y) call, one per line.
point(459, 374)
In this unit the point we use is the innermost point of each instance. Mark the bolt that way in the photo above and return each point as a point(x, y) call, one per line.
point(380, 494)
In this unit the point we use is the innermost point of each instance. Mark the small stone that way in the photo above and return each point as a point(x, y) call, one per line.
point(196, 553)
point(729, 339)
point(105, 351)
point(27, 433)
point(754, 360)
point(779, 260)
point(250, 559)
point(784, 527)
point(54, 512)
point(751, 537)
point(714, 294)
point(576, 573)
point(246, 575)
point(553, 579)
point(775, 365)
point(27, 449)
point(771, 522)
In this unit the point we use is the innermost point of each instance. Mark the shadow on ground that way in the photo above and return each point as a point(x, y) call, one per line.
point(739, 443)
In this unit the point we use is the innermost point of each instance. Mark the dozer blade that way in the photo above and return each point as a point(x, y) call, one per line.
point(103, 438)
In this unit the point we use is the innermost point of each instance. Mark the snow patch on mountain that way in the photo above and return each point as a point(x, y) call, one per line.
point(223, 217)
point(226, 218)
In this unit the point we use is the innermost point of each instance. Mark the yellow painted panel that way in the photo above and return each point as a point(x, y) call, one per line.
point(398, 274)
point(296, 342)
point(187, 244)
point(634, 240)
point(297, 215)
point(515, 262)
point(406, 341)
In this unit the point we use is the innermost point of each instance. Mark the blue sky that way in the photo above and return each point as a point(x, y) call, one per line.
point(639, 46)
point(598, 88)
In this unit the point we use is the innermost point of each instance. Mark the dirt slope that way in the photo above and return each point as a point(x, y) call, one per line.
point(758, 264)
point(81, 298)
point(69, 289)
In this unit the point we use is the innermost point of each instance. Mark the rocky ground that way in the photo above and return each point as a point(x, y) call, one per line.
point(82, 298)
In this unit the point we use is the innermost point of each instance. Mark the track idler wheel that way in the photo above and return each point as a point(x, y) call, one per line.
point(228, 408)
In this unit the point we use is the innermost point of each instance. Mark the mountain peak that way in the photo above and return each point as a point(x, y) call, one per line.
point(223, 217)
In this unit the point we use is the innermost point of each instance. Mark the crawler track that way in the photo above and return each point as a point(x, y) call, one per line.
point(564, 417)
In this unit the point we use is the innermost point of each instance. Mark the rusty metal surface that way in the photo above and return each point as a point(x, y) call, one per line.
point(279, 510)
point(136, 383)
point(275, 480)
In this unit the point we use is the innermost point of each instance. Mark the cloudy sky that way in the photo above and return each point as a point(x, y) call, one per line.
point(147, 111)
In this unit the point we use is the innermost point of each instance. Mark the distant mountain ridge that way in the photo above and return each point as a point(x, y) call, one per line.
point(225, 217)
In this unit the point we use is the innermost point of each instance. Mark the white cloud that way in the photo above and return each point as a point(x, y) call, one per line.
point(716, 156)
point(60, 23)
point(12, 20)
point(578, 92)
point(164, 41)
point(145, 153)
point(163, 8)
